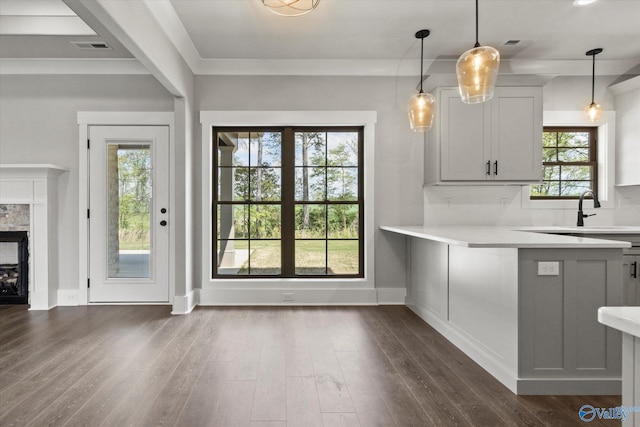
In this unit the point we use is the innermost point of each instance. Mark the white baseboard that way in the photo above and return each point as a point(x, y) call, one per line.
point(185, 304)
point(67, 297)
point(298, 296)
point(391, 296)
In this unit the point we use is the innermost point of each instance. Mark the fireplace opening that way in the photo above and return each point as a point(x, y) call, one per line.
point(14, 267)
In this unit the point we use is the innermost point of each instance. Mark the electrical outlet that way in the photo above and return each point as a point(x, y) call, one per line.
point(546, 268)
point(287, 296)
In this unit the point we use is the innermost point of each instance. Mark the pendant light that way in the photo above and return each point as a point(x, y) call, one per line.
point(290, 7)
point(421, 105)
point(593, 109)
point(477, 70)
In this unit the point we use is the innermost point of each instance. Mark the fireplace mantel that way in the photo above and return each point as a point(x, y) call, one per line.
point(36, 185)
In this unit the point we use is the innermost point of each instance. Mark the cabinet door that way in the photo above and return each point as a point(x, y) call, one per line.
point(464, 138)
point(516, 134)
point(631, 280)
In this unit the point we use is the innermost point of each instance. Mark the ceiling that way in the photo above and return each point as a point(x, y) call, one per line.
point(372, 37)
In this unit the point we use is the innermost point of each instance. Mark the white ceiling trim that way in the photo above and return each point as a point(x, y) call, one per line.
point(340, 67)
point(71, 66)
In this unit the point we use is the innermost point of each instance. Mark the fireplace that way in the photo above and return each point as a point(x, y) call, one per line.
point(14, 267)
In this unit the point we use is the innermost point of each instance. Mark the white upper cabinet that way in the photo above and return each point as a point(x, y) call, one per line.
point(627, 105)
point(499, 141)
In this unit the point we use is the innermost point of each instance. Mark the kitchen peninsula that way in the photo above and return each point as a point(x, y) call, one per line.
point(523, 305)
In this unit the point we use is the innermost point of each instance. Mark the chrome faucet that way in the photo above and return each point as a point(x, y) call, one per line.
point(596, 204)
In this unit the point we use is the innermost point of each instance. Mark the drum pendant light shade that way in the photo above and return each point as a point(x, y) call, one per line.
point(290, 7)
point(593, 110)
point(421, 105)
point(421, 111)
point(477, 70)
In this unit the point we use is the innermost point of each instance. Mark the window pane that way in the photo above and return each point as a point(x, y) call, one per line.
point(264, 221)
point(574, 188)
point(573, 155)
point(129, 234)
point(310, 148)
point(310, 222)
point(342, 149)
point(310, 184)
point(233, 149)
point(233, 221)
point(549, 139)
point(573, 139)
point(265, 184)
point(343, 257)
point(551, 173)
point(576, 173)
point(343, 221)
point(549, 155)
point(233, 257)
point(265, 257)
point(265, 149)
point(342, 183)
point(233, 184)
point(311, 257)
point(546, 189)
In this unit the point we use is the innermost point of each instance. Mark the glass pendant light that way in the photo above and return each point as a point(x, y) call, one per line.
point(421, 105)
point(477, 70)
point(593, 110)
point(290, 7)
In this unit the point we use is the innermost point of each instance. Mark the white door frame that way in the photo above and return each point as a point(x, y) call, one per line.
point(94, 118)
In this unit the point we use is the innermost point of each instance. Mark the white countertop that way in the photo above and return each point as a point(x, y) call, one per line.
point(588, 229)
point(501, 237)
point(625, 319)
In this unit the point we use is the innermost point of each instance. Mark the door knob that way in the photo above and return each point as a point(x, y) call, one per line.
point(163, 223)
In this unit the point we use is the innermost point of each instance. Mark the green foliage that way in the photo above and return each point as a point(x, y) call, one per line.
point(134, 179)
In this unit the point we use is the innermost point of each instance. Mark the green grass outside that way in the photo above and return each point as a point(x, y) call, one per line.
point(311, 257)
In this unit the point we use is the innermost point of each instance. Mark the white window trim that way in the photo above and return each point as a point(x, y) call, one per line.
point(269, 291)
point(606, 158)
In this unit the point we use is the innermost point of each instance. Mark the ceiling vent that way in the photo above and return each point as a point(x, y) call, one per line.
point(91, 45)
point(512, 42)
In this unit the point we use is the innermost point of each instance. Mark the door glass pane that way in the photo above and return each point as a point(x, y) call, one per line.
point(129, 210)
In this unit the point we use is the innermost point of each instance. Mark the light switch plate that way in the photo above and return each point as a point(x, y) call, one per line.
point(548, 268)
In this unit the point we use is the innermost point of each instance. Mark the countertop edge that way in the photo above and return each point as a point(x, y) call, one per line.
point(625, 319)
point(569, 242)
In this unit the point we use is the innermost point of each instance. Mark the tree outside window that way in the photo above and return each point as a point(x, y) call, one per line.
point(570, 164)
point(289, 202)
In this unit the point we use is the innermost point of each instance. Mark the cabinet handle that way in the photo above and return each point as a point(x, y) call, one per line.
point(634, 272)
point(495, 168)
point(488, 167)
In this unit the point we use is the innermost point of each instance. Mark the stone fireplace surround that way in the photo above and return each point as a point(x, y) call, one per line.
point(35, 185)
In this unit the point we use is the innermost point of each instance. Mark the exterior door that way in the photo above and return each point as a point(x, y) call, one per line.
point(128, 214)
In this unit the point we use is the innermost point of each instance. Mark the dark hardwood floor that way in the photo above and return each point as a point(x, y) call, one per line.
point(252, 366)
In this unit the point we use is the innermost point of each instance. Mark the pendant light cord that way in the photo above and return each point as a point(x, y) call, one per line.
point(593, 79)
point(477, 43)
point(421, 62)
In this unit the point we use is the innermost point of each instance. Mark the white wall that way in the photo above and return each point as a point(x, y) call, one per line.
point(398, 151)
point(505, 205)
point(38, 124)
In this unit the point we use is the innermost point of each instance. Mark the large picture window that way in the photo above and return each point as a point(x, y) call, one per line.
point(288, 202)
point(570, 164)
